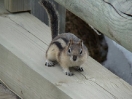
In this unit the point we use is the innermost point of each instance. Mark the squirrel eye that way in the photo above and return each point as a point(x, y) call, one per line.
point(69, 50)
point(81, 51)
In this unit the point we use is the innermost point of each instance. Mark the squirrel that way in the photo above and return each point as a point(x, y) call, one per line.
point(65, 49)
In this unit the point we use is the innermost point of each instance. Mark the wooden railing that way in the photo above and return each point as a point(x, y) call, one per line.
point(111, 17)
point(23, 43)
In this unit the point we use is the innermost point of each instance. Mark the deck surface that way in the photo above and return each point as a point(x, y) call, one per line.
point(5, 93)
point(23, 43)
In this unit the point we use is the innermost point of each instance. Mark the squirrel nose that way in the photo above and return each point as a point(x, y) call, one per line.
point(74, 58)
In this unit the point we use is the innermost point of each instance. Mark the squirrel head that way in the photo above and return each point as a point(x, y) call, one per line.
point(75, 50)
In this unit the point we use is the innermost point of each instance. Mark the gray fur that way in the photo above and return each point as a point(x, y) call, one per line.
point(68, 36)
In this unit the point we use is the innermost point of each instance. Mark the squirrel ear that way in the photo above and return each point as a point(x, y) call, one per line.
point(81, 42)
point(71, 41)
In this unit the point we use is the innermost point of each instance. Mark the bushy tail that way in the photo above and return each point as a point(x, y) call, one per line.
point(53, 16)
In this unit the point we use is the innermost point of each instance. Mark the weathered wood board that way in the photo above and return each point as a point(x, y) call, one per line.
point(6, 93)
point(23, 43)
point(111, 17)
point(17, 5)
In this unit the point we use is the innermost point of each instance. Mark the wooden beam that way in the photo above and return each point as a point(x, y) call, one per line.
point(21, 78)
point(23, 43)
point(17, 5)
point(111, 17)
point(6, 93)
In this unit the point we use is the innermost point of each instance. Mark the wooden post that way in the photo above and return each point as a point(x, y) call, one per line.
point(111, 17)
point(17, 5)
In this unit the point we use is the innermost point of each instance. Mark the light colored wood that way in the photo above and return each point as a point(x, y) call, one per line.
point(17, 5)
point(23, 43)
point(107, 16)
point(20, 73)
point(5, 93)
point(62, 17)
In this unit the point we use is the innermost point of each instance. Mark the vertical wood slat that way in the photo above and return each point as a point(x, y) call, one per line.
point(17, 5)
point(36, 10)
point(41, 14)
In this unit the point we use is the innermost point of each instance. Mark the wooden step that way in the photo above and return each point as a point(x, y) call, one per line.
point(23, 42)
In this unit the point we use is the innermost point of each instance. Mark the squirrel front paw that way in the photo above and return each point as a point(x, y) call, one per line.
point(78, 68)
point(69, 73)
point(49, 63)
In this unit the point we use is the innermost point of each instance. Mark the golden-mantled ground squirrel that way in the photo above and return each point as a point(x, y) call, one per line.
point(66, 49)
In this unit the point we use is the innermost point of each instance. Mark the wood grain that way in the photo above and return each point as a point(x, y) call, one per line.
point(17, 5)
point(6, 93)
point(23, 43)
point(111, 17)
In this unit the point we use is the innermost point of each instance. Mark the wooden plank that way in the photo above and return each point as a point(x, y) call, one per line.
point(5, 93)
point(17, 5)
point(23, 42)
point(111, 17)
point(62, 18)
point(22, 82)
point(38, 11)
point(121, 6)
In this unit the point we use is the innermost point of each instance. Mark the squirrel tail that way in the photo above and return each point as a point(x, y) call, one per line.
point(53, 16)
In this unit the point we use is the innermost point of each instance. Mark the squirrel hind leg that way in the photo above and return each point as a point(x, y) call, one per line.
point(51, 55)
point(49, 63)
